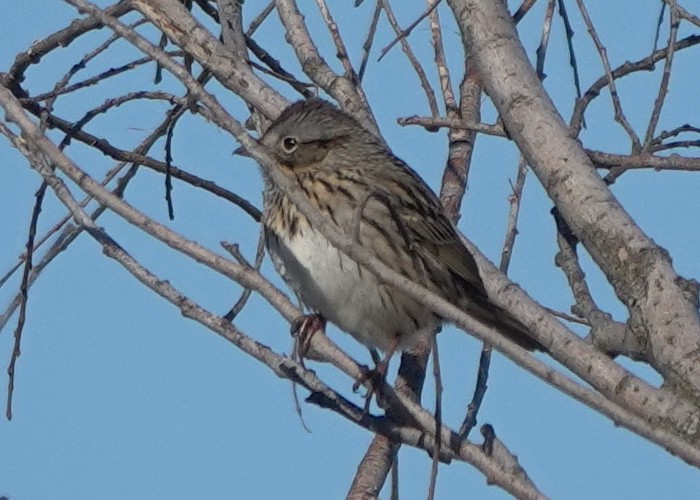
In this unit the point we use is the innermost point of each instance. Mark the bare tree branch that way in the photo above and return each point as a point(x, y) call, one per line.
point(661, 328)
point(638, 269)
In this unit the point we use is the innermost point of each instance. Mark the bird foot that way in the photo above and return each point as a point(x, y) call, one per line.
point(303, 329)
point(375, 377)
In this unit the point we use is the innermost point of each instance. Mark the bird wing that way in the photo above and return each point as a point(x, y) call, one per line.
point(428, 229)
point(436, 236)
point(448, 260)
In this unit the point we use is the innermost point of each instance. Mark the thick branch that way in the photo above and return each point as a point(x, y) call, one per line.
point(639, 270)
point(173, 19)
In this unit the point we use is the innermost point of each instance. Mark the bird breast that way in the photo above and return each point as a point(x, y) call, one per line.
point(346, 294)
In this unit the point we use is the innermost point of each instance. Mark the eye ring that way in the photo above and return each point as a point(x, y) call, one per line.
point(290, 144)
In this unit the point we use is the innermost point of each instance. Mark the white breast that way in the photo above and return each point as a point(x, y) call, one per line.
point(331, 283)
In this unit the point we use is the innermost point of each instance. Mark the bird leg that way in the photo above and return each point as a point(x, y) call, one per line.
point(375, 355)
point(303, 329)
point(377, 375)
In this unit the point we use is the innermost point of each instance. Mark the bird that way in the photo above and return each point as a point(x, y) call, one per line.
point(361, 187)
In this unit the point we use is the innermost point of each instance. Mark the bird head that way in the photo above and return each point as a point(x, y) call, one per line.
point(308, 131)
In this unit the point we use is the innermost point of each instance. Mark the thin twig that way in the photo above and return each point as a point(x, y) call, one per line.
point(369, 39)
point(259, 19)
point(470, 419)
point(457, 124)
point(480, 388)
point(443, 70)
point(135, 157)
point(438, 419)
point(523, 10)
point(259, 255)
point(544, 40)
point(97, 79)
point(659, 23)
point(515, 199)
point(341, 51)
point(108, 177)
point(688, 16)
point(623, 70)
point(570, 46)
point(62, 38)
point(168, 180)
point(676, 145)
point(402, 34)
point(608, 335)
point(69, 235)
point(675, 132)
point(461, 144)
point(645, 161)
point(619, 114)
point(24, 292)
point(276, 70)
point(415, 63)
point(665, 78)
point(568, 317)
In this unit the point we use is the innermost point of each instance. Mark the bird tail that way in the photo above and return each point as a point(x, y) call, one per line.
point(498, 318)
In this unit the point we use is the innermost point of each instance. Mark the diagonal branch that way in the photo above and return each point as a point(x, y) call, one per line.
point(175, 21)
point(633, 398)
point(423, 437)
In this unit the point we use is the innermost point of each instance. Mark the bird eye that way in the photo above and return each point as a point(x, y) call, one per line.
point(289, 144)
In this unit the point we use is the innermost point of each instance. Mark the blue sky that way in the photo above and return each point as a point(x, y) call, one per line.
point(118, 396)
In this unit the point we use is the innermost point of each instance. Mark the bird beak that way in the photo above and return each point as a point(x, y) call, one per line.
point(241, 151)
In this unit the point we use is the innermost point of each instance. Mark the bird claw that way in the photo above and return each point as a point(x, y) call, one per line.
point(303, 329)
point(375, 377)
